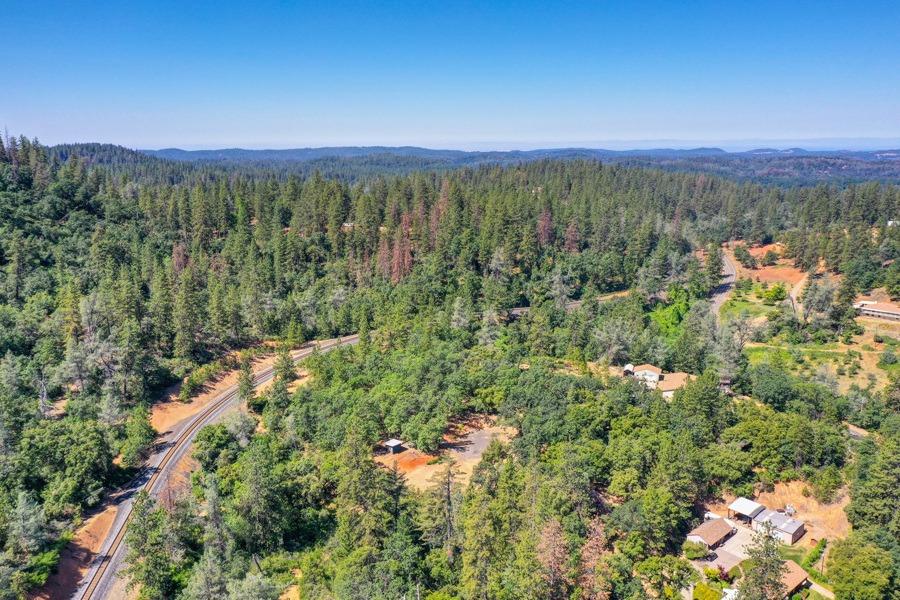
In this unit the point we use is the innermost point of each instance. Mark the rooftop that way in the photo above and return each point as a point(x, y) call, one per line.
point(794, 576)
point(779, 521)
point(674, 381)
point(713, 531)
point(888, 307)
point(646, 367)
point(746, 507)
point(391, 443)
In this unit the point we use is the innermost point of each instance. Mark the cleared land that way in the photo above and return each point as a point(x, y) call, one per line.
point(822, 520)
point(783, 271)
point(856, 363)
point(170, 411)
point(464, 442)
point(76, 557)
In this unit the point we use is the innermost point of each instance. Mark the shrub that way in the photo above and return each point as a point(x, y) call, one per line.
point(703, 591)
point(203, 374)
point(810, 559)
point(826, 483)
point(887, 358)
point(743, 489)
point(744, 257)
point(774, 294)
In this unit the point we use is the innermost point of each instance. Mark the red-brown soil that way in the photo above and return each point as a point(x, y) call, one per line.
point(465, 441)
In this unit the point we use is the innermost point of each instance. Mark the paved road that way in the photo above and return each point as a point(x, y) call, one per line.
point(723, 291)
point(102, 577)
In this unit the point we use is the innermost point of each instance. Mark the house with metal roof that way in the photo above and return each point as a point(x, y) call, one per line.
point(785, 528)
point(745, 509)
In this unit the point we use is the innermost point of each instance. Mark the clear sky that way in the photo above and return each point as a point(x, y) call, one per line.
point(153, 74)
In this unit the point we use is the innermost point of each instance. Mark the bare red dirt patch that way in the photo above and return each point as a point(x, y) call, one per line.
point(76, 557)
point(464, 442)
point(783, 271)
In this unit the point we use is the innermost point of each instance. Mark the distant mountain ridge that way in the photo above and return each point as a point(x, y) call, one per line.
point(475, 156)
point(294, 154)
point(790, 166)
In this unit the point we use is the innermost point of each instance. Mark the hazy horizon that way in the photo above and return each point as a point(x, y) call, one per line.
point(815, 144)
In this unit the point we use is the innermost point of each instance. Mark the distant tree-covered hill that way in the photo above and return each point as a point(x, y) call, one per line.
point(766, 165)
point(794, 166)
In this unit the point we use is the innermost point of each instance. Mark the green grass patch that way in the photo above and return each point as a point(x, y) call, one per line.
point(735, 307)
point(805, 359)
point(767, 354)
point(794, 553)
point(740, 569)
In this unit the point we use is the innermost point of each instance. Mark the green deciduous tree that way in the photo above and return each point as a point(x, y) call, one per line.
point(764, 579)
point(859, 570)
point(139, 435)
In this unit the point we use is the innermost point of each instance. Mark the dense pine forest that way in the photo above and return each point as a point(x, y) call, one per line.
point(124, 274)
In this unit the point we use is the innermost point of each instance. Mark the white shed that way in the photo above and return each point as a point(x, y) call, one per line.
point(394, 445)
point(744, 507)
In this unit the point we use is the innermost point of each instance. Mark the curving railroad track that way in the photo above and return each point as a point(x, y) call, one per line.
point(101, 579)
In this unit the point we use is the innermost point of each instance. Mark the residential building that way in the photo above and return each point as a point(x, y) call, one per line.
point(880, 310)
point(711, 533)
point(785, 528)
point(669, 383)
point(794, 578)
point(649, 374)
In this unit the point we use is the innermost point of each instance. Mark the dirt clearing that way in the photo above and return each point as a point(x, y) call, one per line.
point(302, 378)
point(76, 557)
point(170, 411)
point(464, 442)
point(821, 520)
point(783, 271)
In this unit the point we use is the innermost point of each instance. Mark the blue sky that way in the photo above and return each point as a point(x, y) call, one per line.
point(452, 74)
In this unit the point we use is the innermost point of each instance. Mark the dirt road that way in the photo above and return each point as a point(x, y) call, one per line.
point(721, 293)
point(102, 578)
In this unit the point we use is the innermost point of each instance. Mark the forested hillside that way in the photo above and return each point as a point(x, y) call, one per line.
point(122, 275)
point(779, 167)
point(791, 167)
